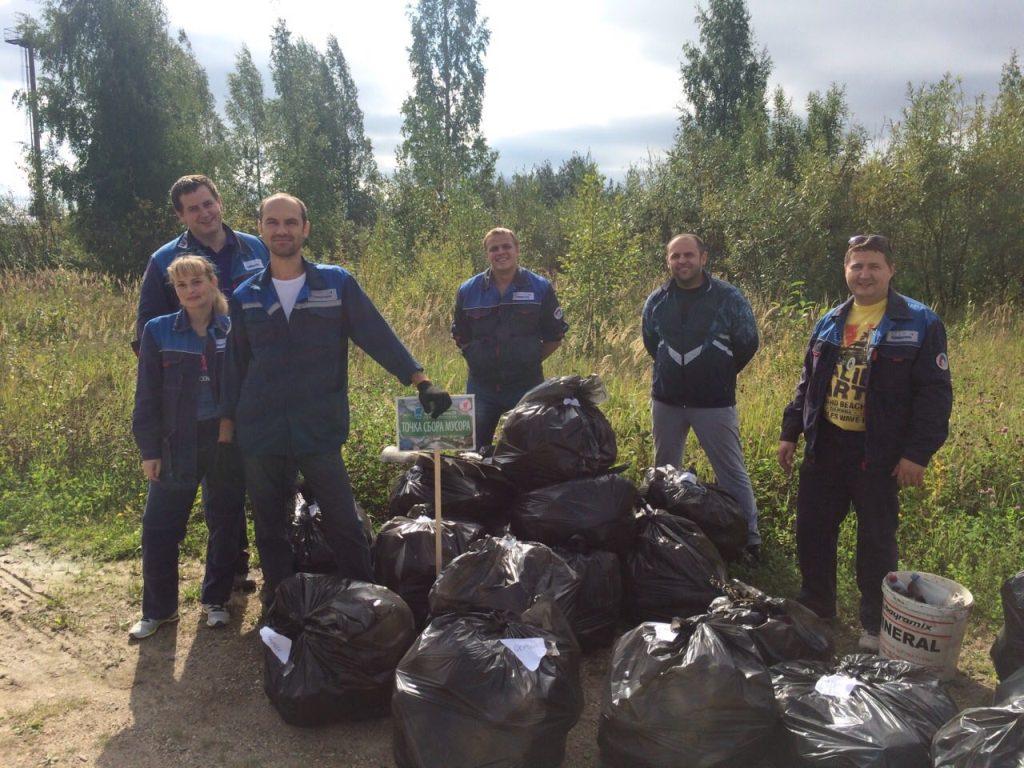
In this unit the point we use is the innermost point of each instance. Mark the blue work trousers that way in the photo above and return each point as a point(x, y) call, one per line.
point(271, 483)
point(168, 506)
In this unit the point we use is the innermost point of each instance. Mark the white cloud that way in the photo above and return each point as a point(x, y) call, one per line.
point(565, 75)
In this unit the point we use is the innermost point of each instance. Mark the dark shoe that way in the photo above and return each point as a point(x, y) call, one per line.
point(752, 555)
point(242, 583)
point(820, 612)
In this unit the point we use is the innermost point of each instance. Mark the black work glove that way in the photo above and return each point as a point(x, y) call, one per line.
point(434, 401)
point(227, 465)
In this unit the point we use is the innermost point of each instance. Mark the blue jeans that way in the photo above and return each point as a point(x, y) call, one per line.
point(271, 484)
point(491, 404)
point(168, 506)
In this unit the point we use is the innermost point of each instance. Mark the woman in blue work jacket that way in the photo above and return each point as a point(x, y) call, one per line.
point(175, 423)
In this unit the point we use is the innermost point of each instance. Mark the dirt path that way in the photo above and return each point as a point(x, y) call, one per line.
point(74, 692)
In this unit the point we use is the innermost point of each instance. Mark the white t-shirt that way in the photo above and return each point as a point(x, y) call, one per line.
point(288, 292)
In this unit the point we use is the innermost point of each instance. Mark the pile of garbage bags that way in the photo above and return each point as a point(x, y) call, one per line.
point(405, 556)
point(556, 433)
point(717, 513)
point(331, 646)
point(488, 688)
point(691, 693)
point(865, 712)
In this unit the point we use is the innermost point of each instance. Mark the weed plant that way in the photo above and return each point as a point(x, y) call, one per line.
point(69, 470)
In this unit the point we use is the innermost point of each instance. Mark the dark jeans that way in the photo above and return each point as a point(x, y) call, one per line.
point(829, 483)
point(163, 528)
point(490, 405)
point(271, 483)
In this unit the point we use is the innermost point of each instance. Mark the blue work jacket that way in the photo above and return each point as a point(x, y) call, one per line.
point(286, 380)
point(501, 335)
point(167, 390)
point(696, 361)
point(157, 297)
point(909, 393)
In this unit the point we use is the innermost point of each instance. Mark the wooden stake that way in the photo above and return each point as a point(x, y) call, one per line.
point(437, 511)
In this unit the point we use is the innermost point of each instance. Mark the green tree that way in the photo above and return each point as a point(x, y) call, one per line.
point(132, 111)
point(246, 109)
point(442, 141)
point(318, 149)
point(724, 76)
point(357, 168)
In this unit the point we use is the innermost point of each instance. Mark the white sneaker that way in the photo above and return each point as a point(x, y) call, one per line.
point(216, 615)
point(868, 642)
point(144, 627)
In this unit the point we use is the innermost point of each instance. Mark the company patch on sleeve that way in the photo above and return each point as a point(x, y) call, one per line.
point(558, 313)
point(942, 361)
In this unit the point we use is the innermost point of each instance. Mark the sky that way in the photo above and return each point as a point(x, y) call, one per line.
point(597, 76)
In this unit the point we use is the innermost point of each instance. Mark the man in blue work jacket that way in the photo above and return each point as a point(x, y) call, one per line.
point(507, 321)
point(873, 405)
point(236, 256)
point(701, 333)
point(286, 389)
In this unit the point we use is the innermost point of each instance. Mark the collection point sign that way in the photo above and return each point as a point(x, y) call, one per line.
point(455, 429)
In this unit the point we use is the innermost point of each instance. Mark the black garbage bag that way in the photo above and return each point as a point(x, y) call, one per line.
point(867, 712)
point(782, 629)
point(505, 575)
point(312, 553)
point(693, 693)
point(465, 699)
point(673, 571)
point(985, 737)
point(716, 512)
point(404, 556)
point(555, 433)
point(471, 490)
point(346, 636)
point(1009, 690)
point(598, 508)
point(1008, 649)
point(596, 618)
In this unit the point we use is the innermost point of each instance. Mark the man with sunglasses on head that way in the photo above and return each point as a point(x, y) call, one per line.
point(873, 404)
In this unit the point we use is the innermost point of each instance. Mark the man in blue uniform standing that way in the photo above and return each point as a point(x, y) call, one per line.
point(701, 333)
point(507, 321)
point(286, 389)
point(873, 404)
point(236, 256)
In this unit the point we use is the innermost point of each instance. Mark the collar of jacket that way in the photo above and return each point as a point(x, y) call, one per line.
point(519, 279)
point(706, 284)
point(895, 307)
point(263, 287)
point(188, 243)
point(220, 324)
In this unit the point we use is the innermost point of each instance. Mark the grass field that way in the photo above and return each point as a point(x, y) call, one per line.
point(69, 473)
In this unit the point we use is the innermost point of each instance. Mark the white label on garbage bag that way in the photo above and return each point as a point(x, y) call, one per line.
point(837, 686)
point(571, 401)
point(529, 650)
point(664, 632)
point(278, 643)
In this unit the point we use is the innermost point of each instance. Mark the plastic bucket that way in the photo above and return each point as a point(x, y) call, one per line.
point(929, 634)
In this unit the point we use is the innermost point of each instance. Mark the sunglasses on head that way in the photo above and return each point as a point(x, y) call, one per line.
point(870, 242)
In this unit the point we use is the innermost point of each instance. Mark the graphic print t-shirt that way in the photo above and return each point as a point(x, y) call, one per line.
point(845, 404)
